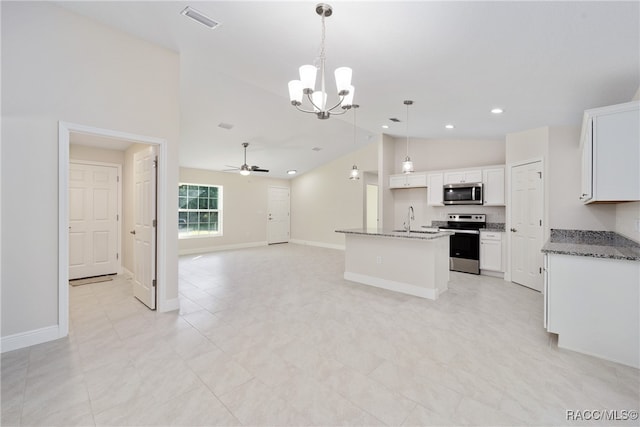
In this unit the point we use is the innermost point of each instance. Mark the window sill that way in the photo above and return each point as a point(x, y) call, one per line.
point(199, 236)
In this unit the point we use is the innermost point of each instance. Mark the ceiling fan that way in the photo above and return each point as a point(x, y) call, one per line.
point(245, 169)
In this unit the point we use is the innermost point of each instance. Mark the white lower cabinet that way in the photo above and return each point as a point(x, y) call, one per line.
point(593, 306)
point(491, 251)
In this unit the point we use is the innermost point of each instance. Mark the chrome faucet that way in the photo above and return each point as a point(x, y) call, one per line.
point(410, 216)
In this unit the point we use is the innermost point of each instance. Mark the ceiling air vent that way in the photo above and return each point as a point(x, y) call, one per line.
point(316, 149)
point(224, 125)
point(199, 17)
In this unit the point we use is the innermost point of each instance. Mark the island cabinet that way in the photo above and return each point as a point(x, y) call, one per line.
point(460, 177)
point(408, 180)
point(414, 263)
point(435, 181)
point(610, 148)
point(491, 251)
point(493, 181)
point(592, 304)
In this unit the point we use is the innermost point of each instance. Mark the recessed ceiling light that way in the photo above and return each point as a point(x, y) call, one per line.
point(497, 111)
point(292, 172)
point(227, 126)
point(449, 126)
point(199, 17)
point(385, 126)
point(316, 149)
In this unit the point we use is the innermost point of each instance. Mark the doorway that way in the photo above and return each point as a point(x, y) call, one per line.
point(371, 200)
point(526, 231)
point(65, 130)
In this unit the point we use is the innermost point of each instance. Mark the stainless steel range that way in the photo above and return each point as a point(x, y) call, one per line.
point(464, 245)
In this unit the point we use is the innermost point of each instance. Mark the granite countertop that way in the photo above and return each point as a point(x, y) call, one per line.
point(596, 244)
point(414, 234)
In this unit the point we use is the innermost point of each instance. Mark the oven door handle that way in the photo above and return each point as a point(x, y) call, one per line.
point(455, 230)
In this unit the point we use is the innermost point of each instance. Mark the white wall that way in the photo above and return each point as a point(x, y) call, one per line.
point(58, 66)
point(438, 154)
point(566, 211)
point(386, 167)
point(95, 154)
point(244, 201)
point(324, 199)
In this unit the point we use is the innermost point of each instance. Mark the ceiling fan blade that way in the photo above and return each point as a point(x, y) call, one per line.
point(257, 169)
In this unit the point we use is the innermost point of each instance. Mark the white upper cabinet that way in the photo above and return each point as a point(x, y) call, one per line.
point(434, 189)
point(493, 180)
point(610, 146)
point(408, 180)
point(459, 177)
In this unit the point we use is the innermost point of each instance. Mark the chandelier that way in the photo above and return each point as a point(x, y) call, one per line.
point(307, 82)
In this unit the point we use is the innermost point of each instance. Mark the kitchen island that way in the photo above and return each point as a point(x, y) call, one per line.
point(414, 263)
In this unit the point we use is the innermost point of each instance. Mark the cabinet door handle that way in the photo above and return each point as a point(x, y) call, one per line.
point(514, 230)
point(133, 232)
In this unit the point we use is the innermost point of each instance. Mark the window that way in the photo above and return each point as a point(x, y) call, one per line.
point(199, 210)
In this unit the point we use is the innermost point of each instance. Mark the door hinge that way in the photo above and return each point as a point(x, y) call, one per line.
point(155, 162)
point(155, 223)
point(117, 256)
point(540, 175)
point(153, 283)
point(117, 178)
point(540, 223)
point(117, 217)
point(540, 270)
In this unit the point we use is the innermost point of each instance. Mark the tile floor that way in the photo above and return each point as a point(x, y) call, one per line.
point(275, 336)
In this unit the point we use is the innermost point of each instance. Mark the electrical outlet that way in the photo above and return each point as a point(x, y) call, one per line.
point(378, 259)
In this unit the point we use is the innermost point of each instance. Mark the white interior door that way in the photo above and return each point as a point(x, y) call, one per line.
point(278, 221)
point(526, 225)
point(144, 253)
point(93, 220)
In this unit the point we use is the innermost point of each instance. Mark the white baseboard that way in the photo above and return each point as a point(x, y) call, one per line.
point(169, 305)
point(492, 273)
point(127, 273)
point(29, 338)
point(391, 285)
point(207, 249)
point(318, 244)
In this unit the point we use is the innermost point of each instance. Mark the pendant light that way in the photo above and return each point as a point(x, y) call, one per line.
point(407, 165)
point(355, 173)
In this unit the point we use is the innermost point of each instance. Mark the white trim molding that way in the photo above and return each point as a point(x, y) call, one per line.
point(206, 249)
point(29, 338)
point(318, 244)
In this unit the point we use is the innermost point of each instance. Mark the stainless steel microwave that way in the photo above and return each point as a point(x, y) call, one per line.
point(462, 194)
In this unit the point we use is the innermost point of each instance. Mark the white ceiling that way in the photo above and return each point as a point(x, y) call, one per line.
point(543, 62)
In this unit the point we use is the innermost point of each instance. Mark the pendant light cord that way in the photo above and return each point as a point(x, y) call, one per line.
point(407, 130)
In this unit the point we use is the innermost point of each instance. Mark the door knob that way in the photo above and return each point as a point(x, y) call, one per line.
point(513, 230)
point(133, 232)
